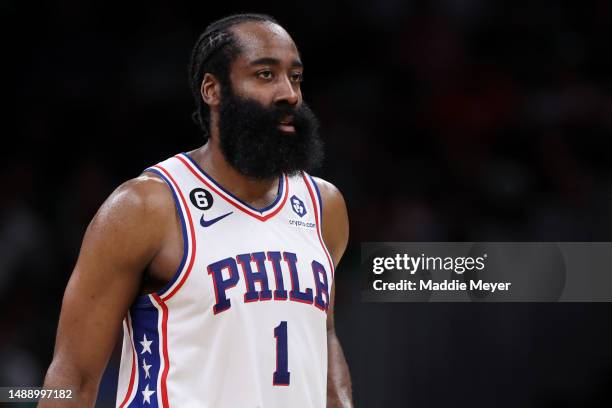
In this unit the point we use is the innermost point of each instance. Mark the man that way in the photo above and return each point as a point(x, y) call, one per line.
point(220, 261)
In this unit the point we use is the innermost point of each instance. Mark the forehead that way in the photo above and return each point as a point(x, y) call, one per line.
point(262, 40)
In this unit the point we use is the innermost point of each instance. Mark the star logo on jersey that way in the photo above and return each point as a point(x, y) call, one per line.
point(146, 395)
point(298, 206)
point(146, 345)
point(146, 367)
point(208, 223)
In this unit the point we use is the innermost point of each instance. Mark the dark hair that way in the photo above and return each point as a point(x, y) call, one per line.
point(214, 52)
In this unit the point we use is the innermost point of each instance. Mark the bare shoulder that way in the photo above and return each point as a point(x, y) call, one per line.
point(335, 218)
point(330, 194)
point(134, 217)
point(334, 206)
point(141, 197)
point(145, 194)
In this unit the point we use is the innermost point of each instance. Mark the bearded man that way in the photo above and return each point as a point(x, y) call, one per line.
point(218, 262)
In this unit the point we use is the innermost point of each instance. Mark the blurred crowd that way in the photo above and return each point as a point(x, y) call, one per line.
point(449, 120)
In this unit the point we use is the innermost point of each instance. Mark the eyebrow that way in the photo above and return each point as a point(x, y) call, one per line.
point(275, 61)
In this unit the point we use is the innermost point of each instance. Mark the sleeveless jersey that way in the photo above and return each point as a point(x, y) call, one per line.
point(242, 323)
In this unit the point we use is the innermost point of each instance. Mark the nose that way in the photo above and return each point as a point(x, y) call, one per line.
point(287, 93)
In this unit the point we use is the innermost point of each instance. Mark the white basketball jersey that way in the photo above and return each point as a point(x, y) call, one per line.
point(243, 321)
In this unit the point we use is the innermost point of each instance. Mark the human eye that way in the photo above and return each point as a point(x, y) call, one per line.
point(297, 76)
point(264, 74)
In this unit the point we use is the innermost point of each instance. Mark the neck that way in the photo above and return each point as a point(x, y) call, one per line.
point(255, 192)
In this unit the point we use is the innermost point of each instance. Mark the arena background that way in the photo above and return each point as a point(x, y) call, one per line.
point(446, 120)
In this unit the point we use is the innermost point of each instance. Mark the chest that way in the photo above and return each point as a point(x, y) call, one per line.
point(234, 259)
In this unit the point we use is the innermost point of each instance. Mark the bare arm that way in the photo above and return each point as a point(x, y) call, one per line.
point(335, 235)
point(121, 240)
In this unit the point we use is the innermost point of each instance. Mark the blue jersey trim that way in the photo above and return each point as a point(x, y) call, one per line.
point(143, 300)
point(319, 199)
point(145, 322)
point(325, 248)
point(279, 193)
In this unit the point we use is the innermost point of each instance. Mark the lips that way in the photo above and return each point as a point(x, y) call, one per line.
point(287, 121)
point(286, 125)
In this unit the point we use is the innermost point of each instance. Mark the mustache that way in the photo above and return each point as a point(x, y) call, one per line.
point(302, 116)
point(284, 109)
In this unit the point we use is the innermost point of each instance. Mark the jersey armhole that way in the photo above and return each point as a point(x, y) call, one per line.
point(314, 183)
point(143, 301)
point(318, 204)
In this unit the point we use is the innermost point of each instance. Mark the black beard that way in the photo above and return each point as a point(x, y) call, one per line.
point(253, 144)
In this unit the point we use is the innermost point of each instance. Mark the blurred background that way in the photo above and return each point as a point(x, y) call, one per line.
point(446, 120)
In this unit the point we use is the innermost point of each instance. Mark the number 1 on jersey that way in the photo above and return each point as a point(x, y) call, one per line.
point(281, 375)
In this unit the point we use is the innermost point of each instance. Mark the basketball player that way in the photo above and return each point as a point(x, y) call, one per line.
point(218, 262)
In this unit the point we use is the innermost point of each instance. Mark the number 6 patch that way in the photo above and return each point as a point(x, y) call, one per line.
point(201, 198)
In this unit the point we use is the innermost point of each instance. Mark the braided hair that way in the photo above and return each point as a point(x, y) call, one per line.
point(214, 52)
